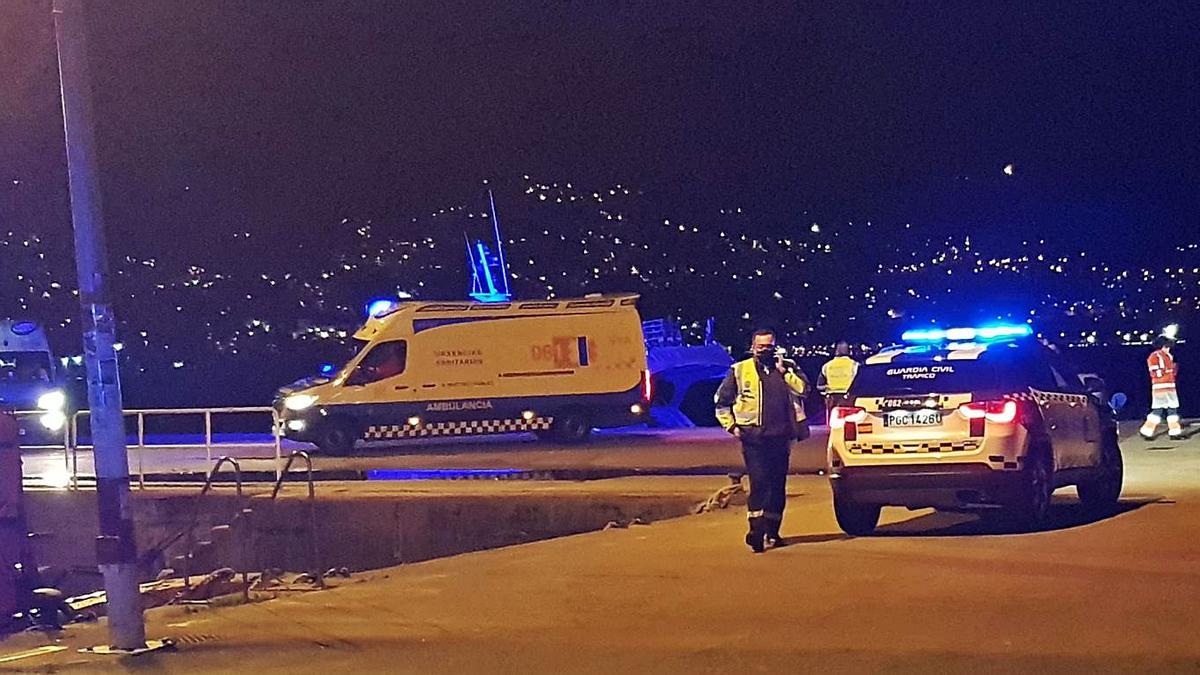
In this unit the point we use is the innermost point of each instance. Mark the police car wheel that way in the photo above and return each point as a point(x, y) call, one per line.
point(1103, 491)
point(1034, 508)
point(336, 437)
point(572, 426)
point(853, 517)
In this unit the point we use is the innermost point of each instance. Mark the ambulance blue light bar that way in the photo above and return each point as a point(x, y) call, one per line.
point(967, 334)
point(379, 307)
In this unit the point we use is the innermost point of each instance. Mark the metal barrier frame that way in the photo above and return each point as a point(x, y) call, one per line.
point(314, 550)
point(72, 445)
point(66, 444)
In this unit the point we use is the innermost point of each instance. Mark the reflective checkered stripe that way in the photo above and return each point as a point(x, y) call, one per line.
point(1046, 397)
point(918, 447)
point(459, 428)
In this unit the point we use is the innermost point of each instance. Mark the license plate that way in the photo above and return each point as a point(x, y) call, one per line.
point(913, 418)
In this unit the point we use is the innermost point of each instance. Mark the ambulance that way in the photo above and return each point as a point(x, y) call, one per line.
point(984, 419)
point(557, 368)
point(29, 383)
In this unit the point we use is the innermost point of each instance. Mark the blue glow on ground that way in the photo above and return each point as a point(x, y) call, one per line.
point(439, 474)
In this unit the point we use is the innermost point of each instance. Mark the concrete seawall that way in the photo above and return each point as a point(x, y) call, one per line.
point(358, 525)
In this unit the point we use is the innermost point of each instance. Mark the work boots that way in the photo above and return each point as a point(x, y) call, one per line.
point(756, 541)
point(1150, 426)
point(1174, 428)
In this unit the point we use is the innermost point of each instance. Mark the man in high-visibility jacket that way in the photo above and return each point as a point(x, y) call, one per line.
point(1164, 395)
point(836, 376)
point(760, 403)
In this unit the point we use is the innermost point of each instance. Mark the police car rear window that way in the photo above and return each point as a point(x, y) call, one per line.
point(934, 377)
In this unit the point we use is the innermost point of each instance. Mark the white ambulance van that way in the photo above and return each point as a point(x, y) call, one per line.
point(557, 368)
point(29, 382)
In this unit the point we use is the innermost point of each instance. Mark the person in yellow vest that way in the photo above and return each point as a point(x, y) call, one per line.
point(836, 376)
point(760, 402)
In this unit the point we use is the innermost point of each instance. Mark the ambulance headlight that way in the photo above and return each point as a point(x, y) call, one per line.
point(299, 401)
point(52, 400)
point(54, 420)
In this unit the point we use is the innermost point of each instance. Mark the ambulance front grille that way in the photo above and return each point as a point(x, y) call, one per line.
point(918, 447)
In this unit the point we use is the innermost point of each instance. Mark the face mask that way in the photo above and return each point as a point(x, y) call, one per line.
point(767, 356)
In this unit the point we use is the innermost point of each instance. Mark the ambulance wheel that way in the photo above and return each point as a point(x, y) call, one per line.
point(571, 426)
point(1102, 492)
point(855, 518)
point(337, 437)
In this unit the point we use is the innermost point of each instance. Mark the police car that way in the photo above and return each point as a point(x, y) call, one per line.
point(970, 419)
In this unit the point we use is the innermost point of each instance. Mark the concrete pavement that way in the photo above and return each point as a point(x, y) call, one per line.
point(931, 592)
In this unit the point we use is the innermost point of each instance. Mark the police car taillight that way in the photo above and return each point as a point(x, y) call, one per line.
point(1000, 411)
point(842, 414)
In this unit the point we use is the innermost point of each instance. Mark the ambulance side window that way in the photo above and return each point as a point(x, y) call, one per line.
point(386, 359)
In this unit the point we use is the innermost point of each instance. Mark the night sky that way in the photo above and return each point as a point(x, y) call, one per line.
point(283, 118)
point(832, 169)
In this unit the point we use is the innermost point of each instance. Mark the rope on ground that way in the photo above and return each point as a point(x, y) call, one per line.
point(721, 498)
point(620, 524)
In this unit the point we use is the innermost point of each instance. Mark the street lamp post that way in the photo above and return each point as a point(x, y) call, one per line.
point(116, 549)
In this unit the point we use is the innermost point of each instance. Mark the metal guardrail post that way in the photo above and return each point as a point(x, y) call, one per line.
point(208, 434)
point(277, 429)
point(141, 451)
point(70, 447)
point(73, 435)
point(67, 456)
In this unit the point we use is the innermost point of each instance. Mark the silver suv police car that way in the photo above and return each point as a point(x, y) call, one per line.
point(974, 419)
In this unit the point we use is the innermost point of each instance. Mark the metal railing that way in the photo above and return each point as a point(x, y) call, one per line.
point(72, 444)
point(194, 520)
point(35, 423)
point(314, 551)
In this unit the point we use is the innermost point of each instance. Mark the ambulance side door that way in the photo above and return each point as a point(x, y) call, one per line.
point(378, 383)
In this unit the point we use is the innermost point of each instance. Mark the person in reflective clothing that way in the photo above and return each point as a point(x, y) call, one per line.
point(836, 376)
point(1164, 397)
point(760, 402)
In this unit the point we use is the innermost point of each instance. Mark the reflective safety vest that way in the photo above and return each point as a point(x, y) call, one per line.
point(838, 373)
point(1162, 371)
point(739, 396)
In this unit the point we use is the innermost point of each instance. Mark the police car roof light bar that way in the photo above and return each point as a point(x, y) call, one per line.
point(967, 334)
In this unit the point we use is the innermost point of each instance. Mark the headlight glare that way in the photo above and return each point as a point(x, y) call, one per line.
point(52, 400)
point(299, 401)
point(54, 420)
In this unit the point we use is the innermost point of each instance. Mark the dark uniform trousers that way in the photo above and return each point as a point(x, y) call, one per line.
point(767, 463)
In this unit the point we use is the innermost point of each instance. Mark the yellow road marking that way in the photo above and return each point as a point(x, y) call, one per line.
point(17, 656)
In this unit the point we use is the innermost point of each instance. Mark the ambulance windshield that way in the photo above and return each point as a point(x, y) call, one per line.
point(24, 368)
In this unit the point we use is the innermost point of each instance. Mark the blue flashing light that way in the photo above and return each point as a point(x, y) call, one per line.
point(997, 332)
point(927, 335)
point(327, 368)
point(24, 327)
point(379, 307)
